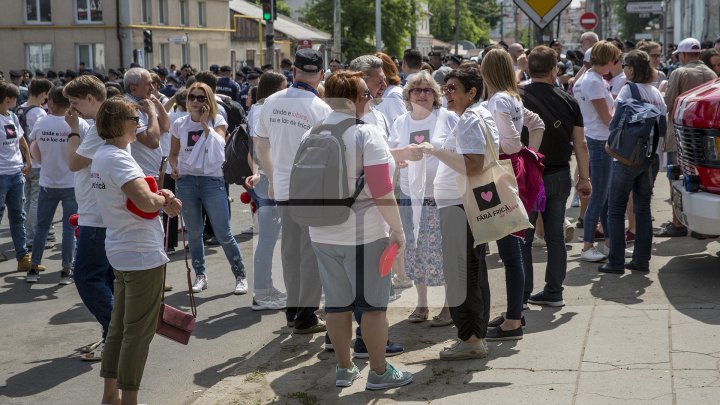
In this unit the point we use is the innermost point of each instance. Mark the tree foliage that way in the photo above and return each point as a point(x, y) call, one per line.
point(358, 24)
point(281, 5)
point(630, 23)
point(476, 18)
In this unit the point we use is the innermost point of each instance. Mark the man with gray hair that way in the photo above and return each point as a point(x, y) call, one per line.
point(154, 121)
point(372, 69)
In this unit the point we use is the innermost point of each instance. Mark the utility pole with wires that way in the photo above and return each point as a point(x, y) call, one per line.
point(457, 26)
point(336, 49)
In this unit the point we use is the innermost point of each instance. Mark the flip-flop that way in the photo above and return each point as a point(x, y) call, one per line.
point(94, 355)
point(91, 347)
point(437, 321)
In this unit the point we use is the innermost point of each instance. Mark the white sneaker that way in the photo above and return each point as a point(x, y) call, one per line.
point(267, 302)
point(199, 284)
point(275, 293)
point(241, 286)
point(592, 255)
point(603, 248)
point(539, 242)
point(629, 253)
point(569, 231)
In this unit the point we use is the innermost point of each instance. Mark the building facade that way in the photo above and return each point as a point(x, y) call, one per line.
point(47, 34)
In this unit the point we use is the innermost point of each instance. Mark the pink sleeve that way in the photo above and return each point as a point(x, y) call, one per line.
point(378, 179)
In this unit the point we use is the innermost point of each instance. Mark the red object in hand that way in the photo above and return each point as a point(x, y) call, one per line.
point(137, 211)
point(253, 207)
point(77, 232)
point(73, 220)
point(387, 258)
point(245, 198)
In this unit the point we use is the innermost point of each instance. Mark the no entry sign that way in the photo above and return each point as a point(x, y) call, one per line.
point(588, 20)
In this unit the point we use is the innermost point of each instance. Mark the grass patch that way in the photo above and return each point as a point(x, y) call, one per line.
point(304, 398)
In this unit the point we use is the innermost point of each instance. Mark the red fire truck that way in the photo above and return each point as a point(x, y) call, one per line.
point(696, 179)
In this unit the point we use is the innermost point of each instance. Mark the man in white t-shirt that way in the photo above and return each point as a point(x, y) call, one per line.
point(48, 144)
point(374, 76)
point(285, 117)
point(29, 113)
point(92, 274)
point(153, 121)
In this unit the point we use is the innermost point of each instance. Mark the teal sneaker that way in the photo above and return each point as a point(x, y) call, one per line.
point(345, 377)
point(390, 379)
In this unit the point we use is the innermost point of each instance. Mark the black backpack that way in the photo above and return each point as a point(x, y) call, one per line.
point(21, 113)
point(238, 145)
point(235, 114)
point(319, 194)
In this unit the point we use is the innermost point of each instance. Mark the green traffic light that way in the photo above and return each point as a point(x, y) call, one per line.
point(267, 16)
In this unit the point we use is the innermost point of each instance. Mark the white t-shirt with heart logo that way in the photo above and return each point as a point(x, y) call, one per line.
point(10, 132)
point(188, 132)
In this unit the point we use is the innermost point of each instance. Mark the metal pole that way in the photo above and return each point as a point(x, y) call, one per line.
point(270, 35)
point(457, 26)
point(413, 30)
point(665, 30)
point(337, 52)
point(502, 20)
point(378, 27)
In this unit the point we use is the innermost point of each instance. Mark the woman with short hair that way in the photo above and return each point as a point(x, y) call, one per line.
point(636, 179)
point(134, 246)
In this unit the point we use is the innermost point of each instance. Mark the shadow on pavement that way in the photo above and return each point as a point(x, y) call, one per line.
point(624, 289)
point(543, 318)
point(17, 291)
point(45, 376)
point(692, 283)
point(76, 314)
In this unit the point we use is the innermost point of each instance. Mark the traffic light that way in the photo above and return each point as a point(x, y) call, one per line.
point(269, 40)
point(147, 41)
point(268, 10)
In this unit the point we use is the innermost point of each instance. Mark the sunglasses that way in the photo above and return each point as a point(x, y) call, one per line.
point(134, 119)
point(366, 95)
point(199, 99)
point(418, 91)
point(449, 89)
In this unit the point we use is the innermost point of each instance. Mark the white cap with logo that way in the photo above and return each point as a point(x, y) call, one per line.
point(688, 45)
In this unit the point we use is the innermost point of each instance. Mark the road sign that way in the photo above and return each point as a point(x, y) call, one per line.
point(304, 43)
point(177, 39)
point(648, 37)
point(542, 12)
point(588, 20)
point(644, 7)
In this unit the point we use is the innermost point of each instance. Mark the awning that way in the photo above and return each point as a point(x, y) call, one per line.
point(291, 28)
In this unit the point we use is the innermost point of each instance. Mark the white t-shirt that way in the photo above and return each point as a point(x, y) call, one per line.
point(377, 118)
point(166, 137)
point(648, 92)
point(434, 129)
point(131, 242)
point(617, 83)
point(468, 138)
point(148, 159)
point(503, 103)
point(365, 224)
point(51, 134)
point(392, 104)
point(189, 132)
point(11, 161)
point(31, 117)
point(88, 211)
point(592, 86)
point(286, 116)
point(253, 117)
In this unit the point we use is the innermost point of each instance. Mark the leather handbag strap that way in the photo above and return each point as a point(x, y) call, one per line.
point(181, 224)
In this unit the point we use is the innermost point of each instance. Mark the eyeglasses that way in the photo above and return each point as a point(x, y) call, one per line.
point(418, 91)
point(449, 89)
point(366, 95)
point(199, 99)
point(134, 118)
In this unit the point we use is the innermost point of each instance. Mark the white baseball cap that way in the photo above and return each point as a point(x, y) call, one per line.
point(688, 45)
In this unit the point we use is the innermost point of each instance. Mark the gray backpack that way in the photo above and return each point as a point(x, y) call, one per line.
point(319, 194)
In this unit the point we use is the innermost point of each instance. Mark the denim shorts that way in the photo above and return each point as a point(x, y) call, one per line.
point(350, 276)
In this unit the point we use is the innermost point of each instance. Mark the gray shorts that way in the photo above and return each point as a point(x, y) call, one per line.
point(350, 276)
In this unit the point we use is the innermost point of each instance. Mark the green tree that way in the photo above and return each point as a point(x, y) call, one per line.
point(630, 23)
point(472, 28)
point(281, 5)
point(358, 24)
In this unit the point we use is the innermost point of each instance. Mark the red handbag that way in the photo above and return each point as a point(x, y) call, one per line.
point(176, 324)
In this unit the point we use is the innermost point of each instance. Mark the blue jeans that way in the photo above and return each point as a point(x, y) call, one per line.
point(557, 190)
point(196, 193)
point(93, 275)
point(625, 179)
point(510, 250)
point(12, 194)
point(268, 232)
point(47, 204)
point(32, 192)
point(600, 167)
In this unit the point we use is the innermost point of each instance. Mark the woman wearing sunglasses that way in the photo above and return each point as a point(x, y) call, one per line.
point(464, 267)
point(197, 152)
point(426, 121)
point(597, 105)
point(134, 246)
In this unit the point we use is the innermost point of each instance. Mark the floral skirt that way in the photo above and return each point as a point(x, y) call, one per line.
point(423, 263)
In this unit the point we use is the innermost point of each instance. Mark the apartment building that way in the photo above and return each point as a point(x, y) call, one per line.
point(104, 34)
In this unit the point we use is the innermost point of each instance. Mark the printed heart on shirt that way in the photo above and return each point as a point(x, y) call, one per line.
point(193, 137)
point(487, 195)
point(10, 132)
point(418, 137)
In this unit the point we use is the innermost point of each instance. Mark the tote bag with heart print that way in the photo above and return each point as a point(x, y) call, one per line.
point(491, 199)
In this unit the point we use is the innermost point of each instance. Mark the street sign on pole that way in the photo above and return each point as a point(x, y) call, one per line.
point(644, 7)
point(177, 39)
point(588, 20)
point(304, 43)
point(542, 12)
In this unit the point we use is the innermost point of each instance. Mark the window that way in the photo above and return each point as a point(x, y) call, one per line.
point(93, 55)
point(165, 54)
point(183, 12)
point(88, 11)
point(203, 57)
point(37, 11)
point(146, 11)
point(162, 12)
point(184, 56)
point(38, 56)
point(202, 19)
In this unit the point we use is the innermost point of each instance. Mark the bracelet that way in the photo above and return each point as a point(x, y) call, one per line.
point(584, 178)
point(71, 134)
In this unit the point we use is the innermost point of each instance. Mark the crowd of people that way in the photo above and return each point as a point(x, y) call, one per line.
point(411, 130)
